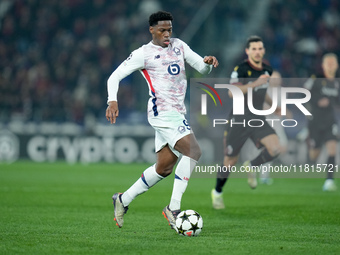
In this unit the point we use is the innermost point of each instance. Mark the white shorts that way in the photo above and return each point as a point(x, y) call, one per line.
point(169, 128)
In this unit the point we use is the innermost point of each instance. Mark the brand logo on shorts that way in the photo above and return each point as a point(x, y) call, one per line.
point(181, 129)
point(229, 149)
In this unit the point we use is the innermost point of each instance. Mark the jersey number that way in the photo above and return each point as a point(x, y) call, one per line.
point(174, 69)
point(185, 122)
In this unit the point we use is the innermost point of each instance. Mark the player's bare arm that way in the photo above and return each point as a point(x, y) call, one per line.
point(323, 102)
point(112, 112)
point(269, 101)
point(211, 60)
point(263, 79)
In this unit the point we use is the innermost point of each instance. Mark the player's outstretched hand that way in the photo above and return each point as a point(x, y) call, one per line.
point(211, 60)
point(112, 111)
point(264, 78)
point(323, 102)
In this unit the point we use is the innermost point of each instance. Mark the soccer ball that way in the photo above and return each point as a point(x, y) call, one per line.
point(189, 223)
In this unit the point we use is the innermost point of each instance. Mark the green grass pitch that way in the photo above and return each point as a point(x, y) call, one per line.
point(56, 208)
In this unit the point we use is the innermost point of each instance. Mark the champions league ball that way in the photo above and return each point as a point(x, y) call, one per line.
point(189, 223)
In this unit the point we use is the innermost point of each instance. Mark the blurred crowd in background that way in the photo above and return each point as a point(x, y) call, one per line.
point(56, 55)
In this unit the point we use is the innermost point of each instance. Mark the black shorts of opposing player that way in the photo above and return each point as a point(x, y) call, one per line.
point(237, 135)
point(319, 135)
point(322, 125)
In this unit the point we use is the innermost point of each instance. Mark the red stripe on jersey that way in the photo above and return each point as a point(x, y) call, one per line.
point(147, 77)
point(255, 67)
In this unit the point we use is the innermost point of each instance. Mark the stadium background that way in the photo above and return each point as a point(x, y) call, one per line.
point(55, 58)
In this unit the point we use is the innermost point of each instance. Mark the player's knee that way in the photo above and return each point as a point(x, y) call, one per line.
point(165, 167)
point(313, 154)
point(164, 171)
point(196, 153)
point(331, 148)
point(274, 151)
point(167, 171)
point(229, 161)
point(193, 152)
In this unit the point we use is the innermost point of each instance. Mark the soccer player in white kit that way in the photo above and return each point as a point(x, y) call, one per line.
point(162, 64)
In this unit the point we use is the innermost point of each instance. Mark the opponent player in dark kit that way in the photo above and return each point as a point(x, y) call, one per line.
point(322, 124)
point(252, 73)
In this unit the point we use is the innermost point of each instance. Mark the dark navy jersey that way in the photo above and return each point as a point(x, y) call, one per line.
point(245, 73)
point(320, 87)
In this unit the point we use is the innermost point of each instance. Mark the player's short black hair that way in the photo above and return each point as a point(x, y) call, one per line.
point(253, 38)
point(159, 16)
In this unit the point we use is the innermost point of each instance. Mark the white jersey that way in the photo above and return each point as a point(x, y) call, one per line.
point(164, 72)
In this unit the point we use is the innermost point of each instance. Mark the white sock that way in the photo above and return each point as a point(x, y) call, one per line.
point(265, 174)
point(148, 179)
point(216, 193)
point(182, 174)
